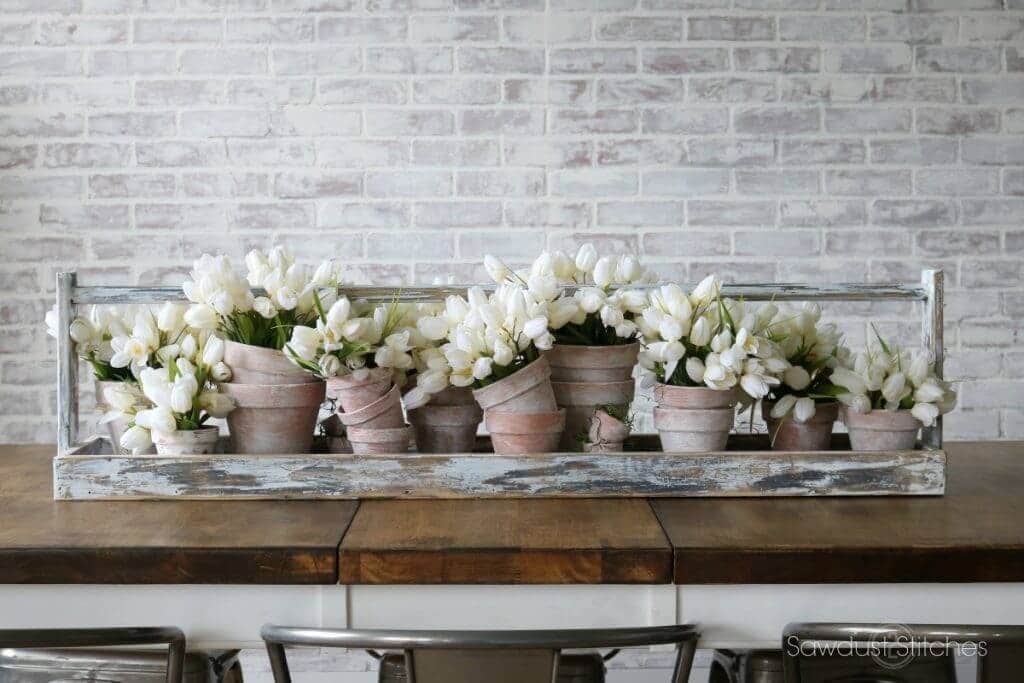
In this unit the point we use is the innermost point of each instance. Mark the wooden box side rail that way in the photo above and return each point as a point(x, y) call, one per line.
point(70, 295)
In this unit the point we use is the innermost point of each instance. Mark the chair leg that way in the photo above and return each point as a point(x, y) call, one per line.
point(278, 663)
point(684, 661)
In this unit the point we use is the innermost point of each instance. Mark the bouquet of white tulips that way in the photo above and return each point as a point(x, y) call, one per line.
point(595, 315)
point(703, 339)
point(181, 395)
point(92, 336)
point(885, 377)
point(223, 300)
point(489, 337)
point(813, 351)
point(344, 341)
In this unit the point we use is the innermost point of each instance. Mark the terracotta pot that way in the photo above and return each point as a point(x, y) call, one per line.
point(581, 399)
point(375, 440)
point(527, 390)
point(882, 430)
point(200, 441)
point(669, 396)
point(360, 388)
point(606, 433)
point(273, 418)
point(385, 412)
point(446, 429)
point(116, 427)
point(571, 363)
point(453, 396)
point(689, 430)
point(514, 433)
point(256, 365)
point(789, 435)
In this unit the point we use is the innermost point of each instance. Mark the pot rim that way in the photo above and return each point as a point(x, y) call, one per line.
point(882, 420)
point(380, 434)
point(275, 395)
point(504, 423)
point(276, 360)
point(725, 415)
point(372, 410)
point(486, 396)
point(373, 376)
point(200, 433)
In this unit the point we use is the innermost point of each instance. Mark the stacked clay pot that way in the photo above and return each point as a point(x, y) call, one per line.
point(448, 423)
point(520, 411)
point(201, 441)
point(881, 430)
point(694, 419)
point(605, 434)
point(276, 402)
point(369, 404)
point(586, 377)
point(786, 434)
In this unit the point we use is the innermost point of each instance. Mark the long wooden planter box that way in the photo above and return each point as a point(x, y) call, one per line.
point(747, 468)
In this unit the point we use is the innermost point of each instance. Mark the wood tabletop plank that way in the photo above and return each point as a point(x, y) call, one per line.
point(973, 533)
point(265, 542)
point(505, 541)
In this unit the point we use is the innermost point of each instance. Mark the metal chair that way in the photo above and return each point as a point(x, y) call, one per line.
point(902, 653)
point(44, 655)
point(472, 656)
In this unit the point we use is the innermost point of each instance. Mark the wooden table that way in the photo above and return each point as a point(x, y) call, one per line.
point(612, 561)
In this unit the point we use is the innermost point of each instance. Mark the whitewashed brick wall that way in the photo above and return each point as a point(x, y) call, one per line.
point(815, 140)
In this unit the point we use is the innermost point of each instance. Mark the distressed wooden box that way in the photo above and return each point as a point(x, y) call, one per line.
point(749, 468)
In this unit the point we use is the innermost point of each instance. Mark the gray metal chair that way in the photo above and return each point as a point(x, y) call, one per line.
point(20, 664)
point(473, 656)
point(901, 653)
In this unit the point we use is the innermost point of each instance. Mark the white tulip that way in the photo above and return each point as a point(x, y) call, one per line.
point(136, 439)
point(721, 341)
point(543, 287)
point(586, 258)
point(700, 333)
point(562, 311)
point(707, 291)
point(325, 274)
point(926, 413)
point(695, 369)
point(804, 409)
point(202, 317)
point(894, 388)
point(216, 404)
point(782, 407)
point(628, 270)
point(213, 351)
point(170, 317)
point(265, 307)
point(503, 353)
point(604, 272)
point(119, 397)
point(220, 372)
point(181, 398)
point(929, 391)
point(482, 368)
point(339, 312)
point(159, 420)
point(859, 403)
point(796, 378)
point(918, 370)
point(496, 268)
point(286, 298)
point(670, 329)
point(848, 380)
point(80, 331)
point(563, 267)
point(754, 386)
point(535, 327)
point(189, 347)
point(329, 365)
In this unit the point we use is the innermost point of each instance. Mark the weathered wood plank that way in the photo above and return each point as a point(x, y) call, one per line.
point(92, 476)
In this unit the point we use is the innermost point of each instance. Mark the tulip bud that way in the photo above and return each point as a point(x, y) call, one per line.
point(202, 317)
point(496, 268)
point(604, 272)
point(213, 351)
point(221, 372)
point(695, 369)
point(136, 439)
point(586, 258)
point(535, 327)
point(700, 333)
point(482, 368)
point(169, 317)
point(80, 331)
point(797, 378)
point(804, 409)
point(216, 404)
point(265, 307)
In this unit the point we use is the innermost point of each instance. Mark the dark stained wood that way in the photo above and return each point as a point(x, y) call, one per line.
point(505, 541)
point(973, 533)
point(265, 542)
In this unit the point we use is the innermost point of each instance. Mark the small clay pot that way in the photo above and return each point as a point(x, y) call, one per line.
point(119, 425)
point(200, 441)
point(273, 418)
point(446, 429)
point(581, 399)
point(384, 412)
point(669, 396)
point(786, 434)
point(528, 390)
point(572, 363)
point(256, 365)
point(690, 430)
point(453, 396)
point(882, 430)
point(375, 440)
point(514, 433)
point(359, 388)
point(606, 433)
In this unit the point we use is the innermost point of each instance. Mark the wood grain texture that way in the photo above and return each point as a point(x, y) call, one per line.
point(264, 542)
point(505, 541)
point(94, 475)
point(973, 533)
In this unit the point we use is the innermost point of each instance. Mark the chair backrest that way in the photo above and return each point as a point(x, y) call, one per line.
point(103, 637)
point(440, 656)
point(1000, 649)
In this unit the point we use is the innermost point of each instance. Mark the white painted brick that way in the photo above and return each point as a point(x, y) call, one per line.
point(776, 120)
point(687, 121)
point(511, 183)
point(788, 243)
point(271, 91)
point(362, 29)
point(86, 154)
point(87, 93)
point(32, 63)
point(18, 156)
point(823, 28)
point(364, 215)
point(889, 58)
point(866, 242)
point(915, 89)
point(224, 123)
point(705, 151)
point(544, 91)
point(821, 212)
point(868, 182)
point(131, 185)
point(730, 28)
point(306, 184)
point(180, 153)
point(315, 60)
point(362, 91)
point(133, 124)
point(603, 60)
point(777, 182)
point(228, 184)
point(784, 59)
point(593, 183)
point(639, 90)
point(277, 216)
point(224, 61)
point(461, 214)
point(914, 28)
point(716, 89)
point(362, 153)
point(386, 122)
point(316, 121)
point(656, 151)
point(992, 150)
point(818, 151)
point(444, 29)
point(922, 151)
point(547, 214)
point(48, 187)
point(634, 29)
point(500, 60)
point(270, 30)
point(40, 124)
point(407, 244)
point(178, 93)
point(959, 59)
point(594, 121)
point(993, 211)
point(173, 30)
point(501, 121)
point(956, 182)
point(548, 153)
point(867, 120)
point(730, 212)
point(831, 89)
point(686, 182)
point(992, 90)
point(913, 212)
point(410, 60)
point(444, 91)
point(517, 244)
point(640, 214)
point(549, 28)
point(83, 32)
point(686, 243)
point(270, 153)
point(684, 60)
point(179, 216)
point(448, 152)
point(409, 183)
point(84, 217)
point(131, 62)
